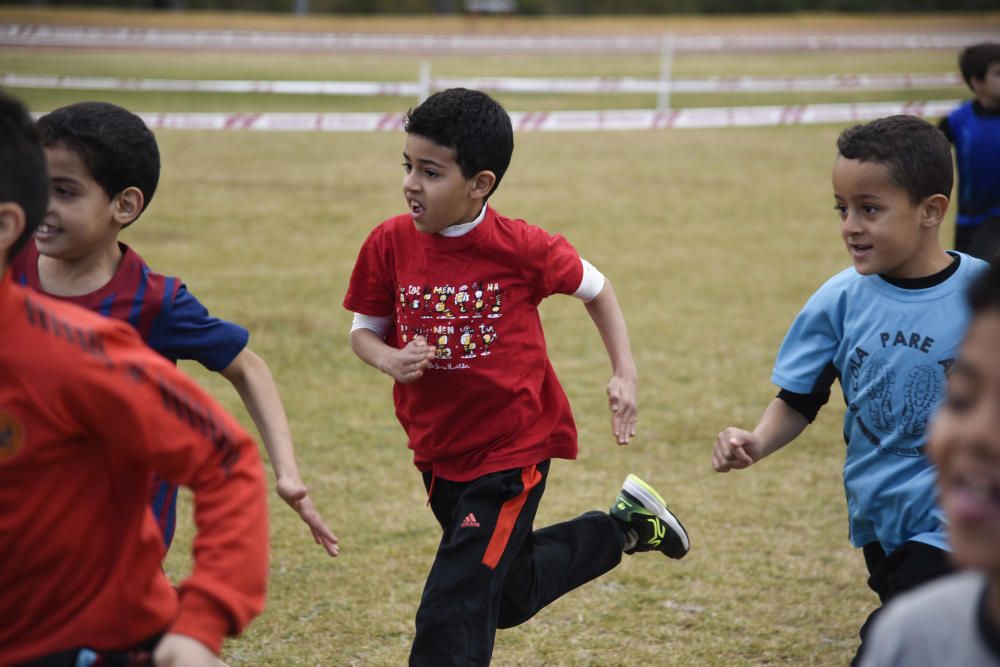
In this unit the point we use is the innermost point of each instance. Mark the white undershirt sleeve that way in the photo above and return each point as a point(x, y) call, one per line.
point(379, 325)
point(592, 283)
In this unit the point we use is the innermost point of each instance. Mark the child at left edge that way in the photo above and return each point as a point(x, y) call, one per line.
point(104, 165)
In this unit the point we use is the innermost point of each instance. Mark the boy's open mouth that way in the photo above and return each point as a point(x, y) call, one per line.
point(858, 249)
point(416, 208)
point(973, 497)
point(45, 229)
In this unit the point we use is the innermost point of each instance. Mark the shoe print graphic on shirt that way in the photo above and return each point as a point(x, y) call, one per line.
point(881, 381)
point(922, 389)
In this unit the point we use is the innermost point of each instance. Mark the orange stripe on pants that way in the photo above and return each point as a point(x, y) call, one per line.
point(530, 477)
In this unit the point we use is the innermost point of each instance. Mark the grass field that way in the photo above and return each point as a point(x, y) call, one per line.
point(713, 239)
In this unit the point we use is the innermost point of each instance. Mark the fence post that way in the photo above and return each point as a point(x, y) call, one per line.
point(425, 81)
point(666, 67)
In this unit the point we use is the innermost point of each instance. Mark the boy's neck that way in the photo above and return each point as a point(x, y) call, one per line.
point(987, 103)
point(81, 275)
point(930, 263)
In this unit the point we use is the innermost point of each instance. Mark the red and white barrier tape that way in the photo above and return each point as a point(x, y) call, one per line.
point(562, 121)
point(246, 40)
point(733, 84)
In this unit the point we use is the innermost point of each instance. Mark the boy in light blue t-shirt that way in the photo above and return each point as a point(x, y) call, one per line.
point(887, 328)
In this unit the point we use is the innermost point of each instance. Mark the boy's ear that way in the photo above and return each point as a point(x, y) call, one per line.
point(127, 205)
point(11, 226)
point(482, 184)
point(932, 210)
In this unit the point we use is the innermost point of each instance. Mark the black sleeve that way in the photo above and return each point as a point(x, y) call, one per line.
point(945, 127)
point(808, 405)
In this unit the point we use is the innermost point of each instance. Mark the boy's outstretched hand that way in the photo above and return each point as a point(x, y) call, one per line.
point(624, 409)
point(294, 493)
point(735, 449)
point(409, 363)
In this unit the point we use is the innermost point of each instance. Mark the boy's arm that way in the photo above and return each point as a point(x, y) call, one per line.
point(252, 379)
point(622, 387)
point(142, 408)
point(403, 365)
point(736, 449)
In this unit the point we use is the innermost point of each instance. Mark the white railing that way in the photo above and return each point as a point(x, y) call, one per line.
point(565, 121)
point(32, 35)
point(589, 85)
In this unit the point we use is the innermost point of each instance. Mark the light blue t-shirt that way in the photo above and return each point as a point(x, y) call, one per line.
point(890, 347)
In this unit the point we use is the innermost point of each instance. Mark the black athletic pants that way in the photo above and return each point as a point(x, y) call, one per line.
point(138, 656)
point(491, 570)
point(907, 567)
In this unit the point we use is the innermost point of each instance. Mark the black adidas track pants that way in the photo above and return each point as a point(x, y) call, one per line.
point(491, 570)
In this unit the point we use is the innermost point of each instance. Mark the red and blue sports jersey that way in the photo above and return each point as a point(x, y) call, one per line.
point(168, 318)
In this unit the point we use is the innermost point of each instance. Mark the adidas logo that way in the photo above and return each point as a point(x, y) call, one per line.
point(469, 521)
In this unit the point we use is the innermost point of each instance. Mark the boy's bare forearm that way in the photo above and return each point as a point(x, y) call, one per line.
point(253, 381)
point(369, 347)
point(778, 426)
point(607, 316)
point(736, 448)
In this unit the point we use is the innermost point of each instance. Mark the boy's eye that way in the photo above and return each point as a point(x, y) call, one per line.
point(407, 167)
point(869, 210)
point(841, 210)
point(959, 401)
point(430, 174)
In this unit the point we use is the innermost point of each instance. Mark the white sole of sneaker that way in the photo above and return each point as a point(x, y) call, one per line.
point(652, 501)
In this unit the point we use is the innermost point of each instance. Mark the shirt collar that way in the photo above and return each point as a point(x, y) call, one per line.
point(465, 227)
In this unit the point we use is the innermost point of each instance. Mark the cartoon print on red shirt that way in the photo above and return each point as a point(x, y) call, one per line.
point(455, 331)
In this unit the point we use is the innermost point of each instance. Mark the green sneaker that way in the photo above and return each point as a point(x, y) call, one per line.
point(649, 525)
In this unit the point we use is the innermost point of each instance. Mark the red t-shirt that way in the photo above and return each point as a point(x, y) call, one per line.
point(490, 400)
point(87, 412)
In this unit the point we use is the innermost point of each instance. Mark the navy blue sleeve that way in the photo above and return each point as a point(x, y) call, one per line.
point(808, 405)
point(185, 330)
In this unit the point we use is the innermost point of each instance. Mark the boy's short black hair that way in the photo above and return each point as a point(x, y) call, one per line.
point(985, 291)
point(917, 154)
point(976, 59)
point(23, 179)
point(470, 122)
point(115, 145)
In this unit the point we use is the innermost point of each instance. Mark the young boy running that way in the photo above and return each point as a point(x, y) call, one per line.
point(446, 302)
point(974, 129)
point(87, 412)
point(104, 164)
point(956, 620)
point(887, 328)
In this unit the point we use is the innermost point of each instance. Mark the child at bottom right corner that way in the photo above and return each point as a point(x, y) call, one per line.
point(887, 328)
point(956, 620)
point(974, 129)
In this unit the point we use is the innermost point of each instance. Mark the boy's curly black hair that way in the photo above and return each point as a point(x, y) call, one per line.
point(917, 154)
point(975, 60)
point(985, 291)
point(115, 145)
point(470, 122)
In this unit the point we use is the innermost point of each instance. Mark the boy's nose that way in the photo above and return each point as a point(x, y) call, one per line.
point(410, 184)
point(849, 225)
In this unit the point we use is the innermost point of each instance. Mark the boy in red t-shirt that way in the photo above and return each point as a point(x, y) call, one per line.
point(87, 412)
point(446, 302)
